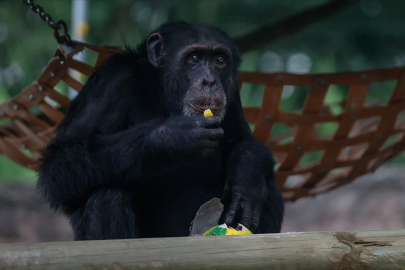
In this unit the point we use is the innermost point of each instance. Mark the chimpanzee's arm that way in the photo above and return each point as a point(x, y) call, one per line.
point(250, 178)
point(114, 134)
point(154, 148)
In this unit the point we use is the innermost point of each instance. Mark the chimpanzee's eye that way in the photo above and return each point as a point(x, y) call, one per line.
point(195, 57)
point(220, 59)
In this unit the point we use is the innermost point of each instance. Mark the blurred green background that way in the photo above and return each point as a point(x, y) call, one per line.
point(367, 35)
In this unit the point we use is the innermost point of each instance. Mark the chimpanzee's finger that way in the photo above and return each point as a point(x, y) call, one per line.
point(257, 209)
point(211, 122)
point(214, 134)
point(232, 210)
point(247, 215)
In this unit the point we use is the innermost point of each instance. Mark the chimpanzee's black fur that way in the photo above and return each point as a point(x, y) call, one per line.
point(134, 157)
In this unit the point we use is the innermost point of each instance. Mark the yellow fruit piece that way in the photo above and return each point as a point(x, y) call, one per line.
point(208, 113)
point(225, 230)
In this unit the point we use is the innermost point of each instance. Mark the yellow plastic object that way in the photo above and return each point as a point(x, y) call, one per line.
point(225, 230)
point(208, 113)
point(82, 29)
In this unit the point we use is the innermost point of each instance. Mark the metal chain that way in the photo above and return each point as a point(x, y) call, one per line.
point(63, 38)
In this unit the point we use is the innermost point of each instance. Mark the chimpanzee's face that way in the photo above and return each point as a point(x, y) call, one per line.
point(198, 69)
point(208, 69)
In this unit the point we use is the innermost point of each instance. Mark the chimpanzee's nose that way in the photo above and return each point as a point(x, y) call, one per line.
point(209, 80)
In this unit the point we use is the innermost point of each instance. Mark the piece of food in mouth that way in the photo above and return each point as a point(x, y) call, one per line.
point(208, 113)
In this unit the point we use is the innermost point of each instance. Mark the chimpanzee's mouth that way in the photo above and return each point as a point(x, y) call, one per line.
point(200, 109)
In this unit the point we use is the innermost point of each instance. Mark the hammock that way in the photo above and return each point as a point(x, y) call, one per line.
point(364, 138)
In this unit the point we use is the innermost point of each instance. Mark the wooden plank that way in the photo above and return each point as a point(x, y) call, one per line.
point(316, 250)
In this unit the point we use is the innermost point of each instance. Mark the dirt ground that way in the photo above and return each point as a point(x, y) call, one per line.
point(372, 202)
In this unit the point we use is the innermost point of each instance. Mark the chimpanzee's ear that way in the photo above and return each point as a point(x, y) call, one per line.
point(154, 46)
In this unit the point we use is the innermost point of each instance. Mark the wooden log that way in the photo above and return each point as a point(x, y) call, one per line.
point(359, 250)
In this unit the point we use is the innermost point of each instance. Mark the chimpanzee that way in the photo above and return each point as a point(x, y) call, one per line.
point(134, 156)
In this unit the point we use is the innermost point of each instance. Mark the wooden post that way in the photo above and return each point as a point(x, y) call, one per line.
point(313, 251)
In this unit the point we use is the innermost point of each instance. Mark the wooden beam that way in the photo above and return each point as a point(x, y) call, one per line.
point(270, 32)
point(301, 251)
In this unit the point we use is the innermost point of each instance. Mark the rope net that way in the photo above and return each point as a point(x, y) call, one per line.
point(363, 137)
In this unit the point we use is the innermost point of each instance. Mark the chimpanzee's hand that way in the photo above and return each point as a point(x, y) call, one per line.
point(192, 133)
point(250, 168)
point(244, 200)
